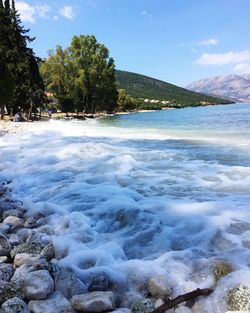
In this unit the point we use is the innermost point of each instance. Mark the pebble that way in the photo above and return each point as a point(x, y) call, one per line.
point(5, 246)
point(14, 305)
point(55, 303)
point(97, 301)
point(6, 271)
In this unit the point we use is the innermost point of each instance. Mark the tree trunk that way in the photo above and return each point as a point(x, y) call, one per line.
point(31, 107)
point(2, 112)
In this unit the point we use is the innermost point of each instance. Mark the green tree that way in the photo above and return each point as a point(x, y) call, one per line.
point(20, 60)
point(84, 74)
point(125, 102)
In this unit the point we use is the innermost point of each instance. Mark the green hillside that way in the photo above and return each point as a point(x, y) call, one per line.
point(143, 87)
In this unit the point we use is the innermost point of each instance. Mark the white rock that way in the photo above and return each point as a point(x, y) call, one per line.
point(38, 285)
point(97, 301)
point(35, 260)
point(13, 221)
point(56, 303)
point(14, 305)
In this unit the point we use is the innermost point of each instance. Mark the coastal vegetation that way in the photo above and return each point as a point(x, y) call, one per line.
point(151, 93)
point(82, 76)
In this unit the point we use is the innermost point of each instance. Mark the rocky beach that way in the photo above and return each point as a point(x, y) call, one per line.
point(57, 254)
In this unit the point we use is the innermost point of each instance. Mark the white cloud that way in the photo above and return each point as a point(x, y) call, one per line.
point(143, 13)
point(67, 12)
point(224, 58)
point(209, 42)
point(55, 17)
point(27, 12)
point(43, 10)
point(242, 68)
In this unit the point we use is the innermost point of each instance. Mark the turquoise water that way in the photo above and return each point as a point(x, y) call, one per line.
point(223, 122)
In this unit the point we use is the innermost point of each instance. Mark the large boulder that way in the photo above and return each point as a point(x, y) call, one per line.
point(55, 303)
point(14, 305)
point(67, 283)
point(97, 301)
point(239, 298)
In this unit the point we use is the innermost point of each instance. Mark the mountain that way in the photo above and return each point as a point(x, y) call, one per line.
point(235, 87)
point(153, 91)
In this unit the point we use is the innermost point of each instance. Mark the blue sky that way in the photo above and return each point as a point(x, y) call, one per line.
point(178, 41)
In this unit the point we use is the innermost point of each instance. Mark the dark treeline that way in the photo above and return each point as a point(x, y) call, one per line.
point(22, 87)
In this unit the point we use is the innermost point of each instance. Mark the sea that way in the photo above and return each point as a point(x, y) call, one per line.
point(142, 195)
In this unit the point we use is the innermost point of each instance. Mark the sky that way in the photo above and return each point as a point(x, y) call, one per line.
point(178, 41)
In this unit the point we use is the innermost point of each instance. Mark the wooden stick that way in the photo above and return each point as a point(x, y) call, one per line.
point(172, 303)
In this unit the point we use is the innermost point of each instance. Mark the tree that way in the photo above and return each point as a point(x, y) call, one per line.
point(6, 85)
point(125, 102)
point(20, 60)
point(82, 73)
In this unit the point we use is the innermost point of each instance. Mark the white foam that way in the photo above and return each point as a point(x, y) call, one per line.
point(134, 208)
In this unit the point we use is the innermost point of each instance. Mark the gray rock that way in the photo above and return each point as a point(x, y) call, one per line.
point(6, 272)
point(67, 283)
point(4, 229)
point(35, 260)
point(158, 287)
point(48, 252)
point(143, 306)
point(13, 221)
point(129, 297)
point(27, 247)
point(239, 298)
point(97, 301)
point(41, 239)
point(11, 290)
point(15, 240)
point(38, 285)
point(30, 223)
point(14, 305)
point(5, 246)
point(3, 190)
point(99, 283)
point(56, 303)
point(23, 233)
point(11, 212)
point(45, 229)
point(221, 268)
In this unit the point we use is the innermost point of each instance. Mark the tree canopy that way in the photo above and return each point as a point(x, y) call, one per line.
point(82, 76)
point(18, 62)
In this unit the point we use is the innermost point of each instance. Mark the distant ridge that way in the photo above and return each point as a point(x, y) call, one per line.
point(143, 87)
point(235, 87)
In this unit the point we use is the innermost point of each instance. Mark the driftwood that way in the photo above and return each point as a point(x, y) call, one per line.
point(172, 303)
